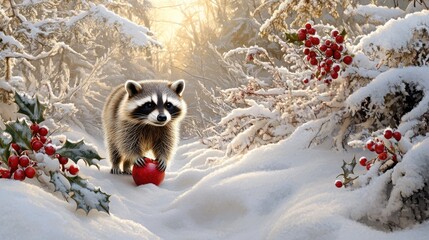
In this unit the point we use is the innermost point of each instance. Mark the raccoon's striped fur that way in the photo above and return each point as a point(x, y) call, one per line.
point(141, 117)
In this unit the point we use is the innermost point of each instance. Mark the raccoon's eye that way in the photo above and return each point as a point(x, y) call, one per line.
point(169, 105)
point(148, 105)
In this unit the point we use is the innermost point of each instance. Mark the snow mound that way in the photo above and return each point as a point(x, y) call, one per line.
point(395, 34)
point(279, 191)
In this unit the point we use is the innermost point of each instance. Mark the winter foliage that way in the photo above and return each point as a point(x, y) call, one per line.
point(283, 96)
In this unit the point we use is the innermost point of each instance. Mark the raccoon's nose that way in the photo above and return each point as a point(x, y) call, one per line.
point(161, 118)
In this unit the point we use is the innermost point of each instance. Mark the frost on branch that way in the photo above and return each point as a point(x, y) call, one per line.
point(138, 35)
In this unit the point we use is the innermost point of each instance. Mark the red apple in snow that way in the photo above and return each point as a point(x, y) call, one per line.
point(148, 174)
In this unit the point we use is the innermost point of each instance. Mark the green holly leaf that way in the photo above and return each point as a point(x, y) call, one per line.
point(30, 107)
point(293, 38)
point(86, 196)
point(343, 33)
point(79, 150)
point(348, 170)
point(5, 140)
point(20, 133)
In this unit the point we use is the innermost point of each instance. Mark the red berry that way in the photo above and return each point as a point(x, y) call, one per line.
point(329, 62)
point(19, 175)
point(30, 172)
point(362, 161)
point(43, 139)
point(63, 160)
point(328, 43)
point(394, 158)
point(337, 55)
point(307, 51)
point(336, 68)
point(334, 33)
point(24, 161)
point(382, 156)
point(50, 150)
point(313, 61)
point(323, 48)
point(306, 80)
point(338, 183)
point(13, 161)
point(329, 52)
point(388, 134)
point(347, 60)
point(5, 174)
point(308, 43)
point(34, 127)
point(302, 34)
point(308, 26)
point(379, 148)
point(334, 74)
point(312, 54)
point(397, 136)
point(315, 41)
point(311, 31)
point(368, 166)
point(334, 47)
point(73, 169)
point(16, 147)
point(339, 39)
point(327, 68)
point(43, 131)
point(37, 145)
point(370, 145)
point(340, 48)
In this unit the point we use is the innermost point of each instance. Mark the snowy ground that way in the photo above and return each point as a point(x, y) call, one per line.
point(281, 191)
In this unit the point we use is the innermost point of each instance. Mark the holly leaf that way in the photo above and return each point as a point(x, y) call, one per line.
point(30, 107)
point(79, 150)
point(20, 133)
point(86, 196)
point(293, 38)
point(343, 33)
point(5, 140)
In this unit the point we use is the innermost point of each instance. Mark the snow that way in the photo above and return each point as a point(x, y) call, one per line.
point(279, 191)
point(139, 35)
point(375, 14)
point(395, 34)
point(393, 81)
point(9, 40)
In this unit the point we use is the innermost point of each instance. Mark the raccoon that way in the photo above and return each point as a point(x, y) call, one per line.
point(141, 117)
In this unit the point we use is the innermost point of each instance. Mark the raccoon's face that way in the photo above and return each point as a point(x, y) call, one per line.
point(155, 102)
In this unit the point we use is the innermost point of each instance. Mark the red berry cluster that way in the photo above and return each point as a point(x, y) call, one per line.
point(327, 55)
point(384, 149)
point(20, 165)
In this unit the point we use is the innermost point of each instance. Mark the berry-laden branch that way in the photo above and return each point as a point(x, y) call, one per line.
point(387, 152)
point(326, 55)
point(27, 151)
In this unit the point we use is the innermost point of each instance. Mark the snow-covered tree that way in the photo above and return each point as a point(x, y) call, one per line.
point(70, 52)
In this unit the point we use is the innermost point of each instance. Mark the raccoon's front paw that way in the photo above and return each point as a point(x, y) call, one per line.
point(141, 162)
point(161, 165)
point(127, 172)
point(115, 171)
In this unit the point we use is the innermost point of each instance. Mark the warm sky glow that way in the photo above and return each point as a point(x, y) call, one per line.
point(167, 17)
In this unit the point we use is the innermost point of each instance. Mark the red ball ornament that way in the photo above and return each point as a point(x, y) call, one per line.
point(148, 173)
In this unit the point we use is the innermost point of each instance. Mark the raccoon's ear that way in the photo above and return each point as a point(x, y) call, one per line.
point(132, 87)
point(178, 86)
